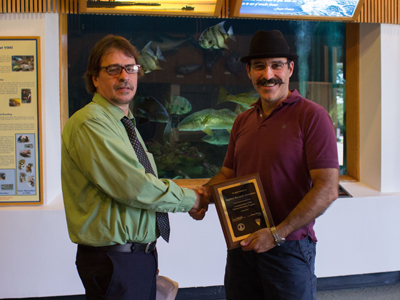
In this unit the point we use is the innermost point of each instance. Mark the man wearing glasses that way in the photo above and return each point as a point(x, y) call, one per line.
point(290, 141)
point(115, 205)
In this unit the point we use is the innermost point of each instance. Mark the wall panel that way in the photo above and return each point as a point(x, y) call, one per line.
point(372, 11)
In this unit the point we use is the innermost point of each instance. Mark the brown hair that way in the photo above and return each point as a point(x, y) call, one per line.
point(106, 45)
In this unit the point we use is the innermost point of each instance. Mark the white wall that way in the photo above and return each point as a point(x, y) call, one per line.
point(390, 45)
point(359, 235)
point(37, 257)
point(379, 106)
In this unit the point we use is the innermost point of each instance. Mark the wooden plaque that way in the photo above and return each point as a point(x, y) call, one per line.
point(242, 208)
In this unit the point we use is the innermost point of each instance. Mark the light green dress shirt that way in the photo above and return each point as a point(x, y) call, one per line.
point(108, 197)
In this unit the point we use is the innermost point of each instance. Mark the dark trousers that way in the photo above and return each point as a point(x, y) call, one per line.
point(282, 273)
point(117, 275)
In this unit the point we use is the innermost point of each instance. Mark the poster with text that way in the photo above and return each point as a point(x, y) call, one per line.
point(19, 121)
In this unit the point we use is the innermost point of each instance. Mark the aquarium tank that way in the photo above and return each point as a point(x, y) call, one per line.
point(195, 85)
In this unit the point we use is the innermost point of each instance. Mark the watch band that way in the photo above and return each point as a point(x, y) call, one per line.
point(279, 241)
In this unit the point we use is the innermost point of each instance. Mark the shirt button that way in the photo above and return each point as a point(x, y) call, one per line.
point(165, 210)
point(183, 209)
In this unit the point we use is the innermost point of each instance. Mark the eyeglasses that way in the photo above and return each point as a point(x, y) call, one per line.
point(276, 66)
point(117, 69)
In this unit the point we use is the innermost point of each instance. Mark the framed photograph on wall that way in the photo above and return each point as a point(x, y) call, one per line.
point(20, 128)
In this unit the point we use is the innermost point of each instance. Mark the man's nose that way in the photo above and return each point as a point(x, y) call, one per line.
point(268, 73)
point(123, 76)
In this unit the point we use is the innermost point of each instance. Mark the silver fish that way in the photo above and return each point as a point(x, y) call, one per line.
point(219, 138)
point(171, 134)
point(233, 63)
point(216, 37)
point(208, 120)
point(167, 43)
point(244, 99)
point(149, 108)
point(178, 105)
point(188, 68)
point(148, 60)
point(240, 108)
point(211, 57)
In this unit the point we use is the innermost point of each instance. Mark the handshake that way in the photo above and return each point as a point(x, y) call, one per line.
point(203, 198)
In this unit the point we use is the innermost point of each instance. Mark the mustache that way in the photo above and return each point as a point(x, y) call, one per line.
point(123, 84)
point(263, 81)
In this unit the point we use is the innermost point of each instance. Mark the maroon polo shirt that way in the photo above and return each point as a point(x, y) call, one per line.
point(297, 136)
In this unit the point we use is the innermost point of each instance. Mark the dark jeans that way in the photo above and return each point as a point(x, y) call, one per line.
point(283, 273)
point(117, 275)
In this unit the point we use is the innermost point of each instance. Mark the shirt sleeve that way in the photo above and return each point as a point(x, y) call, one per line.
point(230, 153)
point(108, 161)
point(320, 141)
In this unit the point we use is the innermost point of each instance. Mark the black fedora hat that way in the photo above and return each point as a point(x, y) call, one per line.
point(267, 44)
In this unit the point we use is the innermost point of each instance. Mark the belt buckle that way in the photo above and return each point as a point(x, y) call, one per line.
point(147, 249)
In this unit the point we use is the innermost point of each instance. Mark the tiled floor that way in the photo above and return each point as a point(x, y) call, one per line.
point(386, 292)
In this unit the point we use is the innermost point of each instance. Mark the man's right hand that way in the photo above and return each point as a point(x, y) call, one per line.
point(200, 207)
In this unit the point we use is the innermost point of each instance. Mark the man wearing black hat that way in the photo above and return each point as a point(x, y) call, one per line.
point(290, 141)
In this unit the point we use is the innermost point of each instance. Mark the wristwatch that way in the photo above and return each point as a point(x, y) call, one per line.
point(279, 241)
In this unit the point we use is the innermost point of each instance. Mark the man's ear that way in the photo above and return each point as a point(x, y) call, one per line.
point(248, 70)
point(291, 68)
point(94, 80)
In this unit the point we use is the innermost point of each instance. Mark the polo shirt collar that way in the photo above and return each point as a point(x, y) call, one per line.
point(293, 97)
point(112, 109)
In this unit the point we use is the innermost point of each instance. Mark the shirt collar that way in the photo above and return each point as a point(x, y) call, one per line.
point(112, 109)
point(292, 98)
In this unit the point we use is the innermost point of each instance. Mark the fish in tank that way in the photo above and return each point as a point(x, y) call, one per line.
point(188, 99)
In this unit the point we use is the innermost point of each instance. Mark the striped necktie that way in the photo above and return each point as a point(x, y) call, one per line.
point(162, 218)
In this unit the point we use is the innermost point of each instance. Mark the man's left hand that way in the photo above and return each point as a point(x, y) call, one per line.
point(259, 241)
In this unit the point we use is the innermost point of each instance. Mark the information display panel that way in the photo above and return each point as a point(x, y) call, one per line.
point(298, 9)
point(205, 8)
point(19, 121)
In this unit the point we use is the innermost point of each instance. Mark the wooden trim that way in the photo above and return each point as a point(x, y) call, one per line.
point(347, 178)
point(40, 129)
point(369, 11)
point(380, 11)
point(190, 183)
point(63, 48)
point(218, 8)
point(235, 7)
point(352, 100)
point(358, 9)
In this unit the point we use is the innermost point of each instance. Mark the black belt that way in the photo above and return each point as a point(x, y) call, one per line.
point(128, 247)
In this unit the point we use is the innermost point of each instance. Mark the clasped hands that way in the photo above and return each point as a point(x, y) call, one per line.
point(200, 207)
